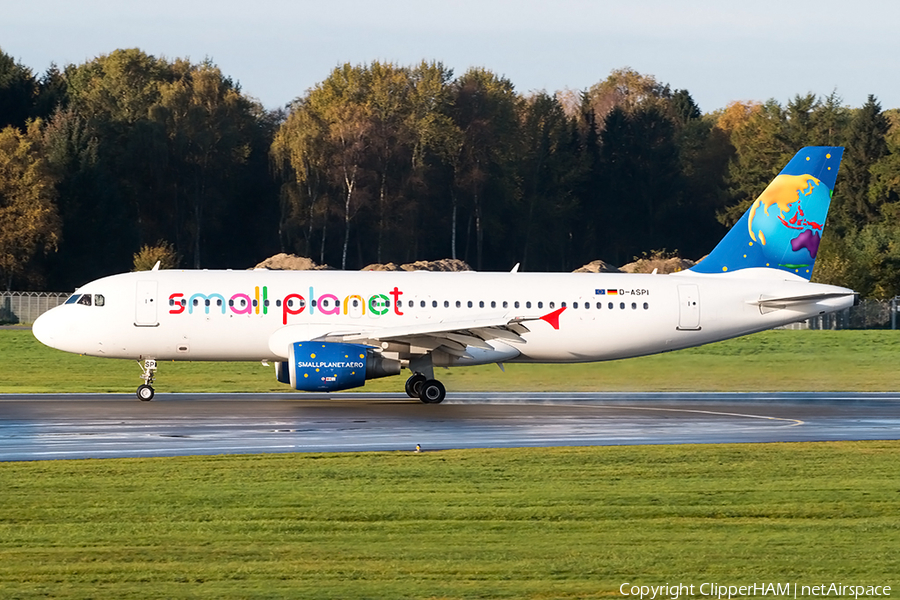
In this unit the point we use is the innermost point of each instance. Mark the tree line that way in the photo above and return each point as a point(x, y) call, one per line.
point(388, 163)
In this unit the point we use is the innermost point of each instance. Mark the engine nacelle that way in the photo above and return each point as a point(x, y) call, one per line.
point(329, 366)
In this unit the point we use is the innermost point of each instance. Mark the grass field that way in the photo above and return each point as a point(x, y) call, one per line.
point(519, 523)
point(769, 361)
point(529, 523)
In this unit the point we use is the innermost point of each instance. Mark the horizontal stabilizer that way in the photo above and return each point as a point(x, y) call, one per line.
point(785, 301)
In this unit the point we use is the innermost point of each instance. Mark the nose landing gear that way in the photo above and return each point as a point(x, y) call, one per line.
point(145, 390)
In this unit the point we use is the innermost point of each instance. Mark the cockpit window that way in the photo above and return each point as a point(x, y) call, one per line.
point(85, 299)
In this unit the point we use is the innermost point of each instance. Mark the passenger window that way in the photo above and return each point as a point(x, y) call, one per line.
point(553, 304)
point(481, 304)
point(634, 306)
point(564, 305)
point(171, 302)
point(622, 305)
point(446, 304)
point(646, 306)
point(434, 304)
point(196, 302)
point(255, 302)
point(600, 305)
point(85, 300)
point(206, 302)
point(277, 303)
point(99, 300)
point(458, 304)
point(540, 305)
point(505, 304)
point(528, 304)
point(493, 304)
point(575, 304)
point(610, 306)
point(469, 304)
point(517, 304)
point(422, 303)
point(219, 302)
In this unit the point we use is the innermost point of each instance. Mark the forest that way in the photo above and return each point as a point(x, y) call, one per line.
point(130, 154)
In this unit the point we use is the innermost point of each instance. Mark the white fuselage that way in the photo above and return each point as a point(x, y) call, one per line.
point(256, 315)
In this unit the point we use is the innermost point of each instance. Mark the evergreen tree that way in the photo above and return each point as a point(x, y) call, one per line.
point(484, 109)
point(684, 109)
point(830, 121)
point(18, 92)
point(642, 183)
point(549, 206)
point(865, 146)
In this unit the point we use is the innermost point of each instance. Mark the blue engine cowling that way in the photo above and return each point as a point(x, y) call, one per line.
point(329, 366)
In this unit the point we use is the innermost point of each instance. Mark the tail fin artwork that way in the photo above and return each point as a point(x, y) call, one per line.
point(783, 227)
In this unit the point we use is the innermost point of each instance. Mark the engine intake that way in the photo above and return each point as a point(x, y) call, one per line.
point(329, 366)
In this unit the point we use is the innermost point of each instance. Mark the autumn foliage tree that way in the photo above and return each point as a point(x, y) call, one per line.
point(29, 222)
point(382, 162)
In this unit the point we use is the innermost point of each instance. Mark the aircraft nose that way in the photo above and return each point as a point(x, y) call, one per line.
point(45, 327)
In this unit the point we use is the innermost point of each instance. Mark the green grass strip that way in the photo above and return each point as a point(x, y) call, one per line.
point(769, 361)
point(521, 523)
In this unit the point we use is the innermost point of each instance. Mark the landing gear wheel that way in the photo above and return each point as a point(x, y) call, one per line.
point(433, 392)
point(148, 372)
point(414, 385)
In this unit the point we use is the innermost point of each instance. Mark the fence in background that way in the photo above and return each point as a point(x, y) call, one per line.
point(868, 314)
point(25, 307)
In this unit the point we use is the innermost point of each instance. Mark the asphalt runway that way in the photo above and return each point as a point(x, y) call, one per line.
point(58, 426)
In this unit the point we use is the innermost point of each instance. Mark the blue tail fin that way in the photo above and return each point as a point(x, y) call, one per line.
point(783, 227)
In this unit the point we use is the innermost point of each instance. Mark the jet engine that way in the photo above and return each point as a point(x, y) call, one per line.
point(330, 366)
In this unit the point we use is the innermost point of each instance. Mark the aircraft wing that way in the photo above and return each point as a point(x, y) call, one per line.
point(452, 336)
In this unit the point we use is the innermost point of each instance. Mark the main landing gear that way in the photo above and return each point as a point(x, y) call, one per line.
point(145, 390)
point(429, 391)
point(422, 384)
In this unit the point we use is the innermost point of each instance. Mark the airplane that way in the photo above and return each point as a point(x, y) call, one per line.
point(334, 330)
